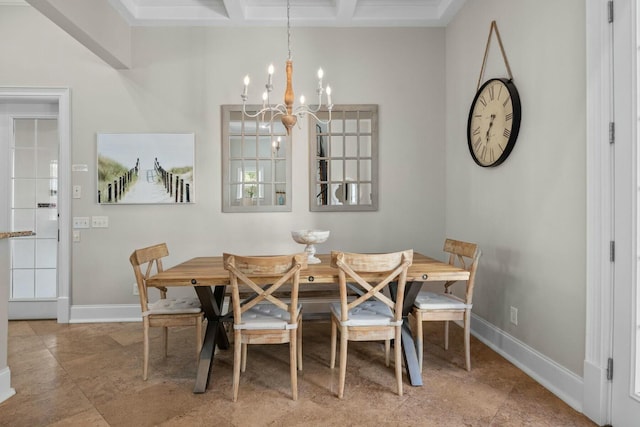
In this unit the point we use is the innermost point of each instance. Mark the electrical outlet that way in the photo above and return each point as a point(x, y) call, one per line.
point(135, 289)
point(514, 315)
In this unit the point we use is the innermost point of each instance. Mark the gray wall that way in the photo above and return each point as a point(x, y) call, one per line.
point(529, 213)
point(179, 79)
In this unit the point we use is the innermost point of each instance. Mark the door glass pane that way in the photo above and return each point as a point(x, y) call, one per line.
point(46, 283)
point(24, 253)
point(47, 223)
point(24, 132)
point(24, 162)
point(46, 253)
point(24, 193)
point(23, 283)
point(23, 219)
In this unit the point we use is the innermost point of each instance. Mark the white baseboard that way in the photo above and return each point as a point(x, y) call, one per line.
point(554, 377)
point(105, 313)
point(5, 384)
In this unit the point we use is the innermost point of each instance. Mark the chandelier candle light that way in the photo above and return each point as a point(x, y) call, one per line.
point(290, 115)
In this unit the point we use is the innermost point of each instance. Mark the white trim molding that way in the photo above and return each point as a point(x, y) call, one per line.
point(554, 377)
point(5, 384)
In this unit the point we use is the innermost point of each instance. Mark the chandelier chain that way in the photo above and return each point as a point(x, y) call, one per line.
point(290, 114)
point(288, 30)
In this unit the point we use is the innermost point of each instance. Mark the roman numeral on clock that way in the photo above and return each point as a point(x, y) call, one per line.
point(507, 133)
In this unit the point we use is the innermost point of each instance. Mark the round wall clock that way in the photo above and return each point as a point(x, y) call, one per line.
point(494, 122)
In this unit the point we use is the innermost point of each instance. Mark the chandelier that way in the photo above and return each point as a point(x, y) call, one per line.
point(290, 115)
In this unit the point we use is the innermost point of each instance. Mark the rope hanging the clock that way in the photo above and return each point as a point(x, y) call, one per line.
point(493, 27)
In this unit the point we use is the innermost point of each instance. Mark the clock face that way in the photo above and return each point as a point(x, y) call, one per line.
point(494, 122)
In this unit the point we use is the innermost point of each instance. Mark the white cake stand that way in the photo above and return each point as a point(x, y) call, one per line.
point(310, 238)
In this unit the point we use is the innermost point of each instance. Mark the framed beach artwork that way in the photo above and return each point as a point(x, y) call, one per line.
point(145, 168)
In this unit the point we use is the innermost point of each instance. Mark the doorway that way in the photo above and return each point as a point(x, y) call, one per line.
point(35, 178)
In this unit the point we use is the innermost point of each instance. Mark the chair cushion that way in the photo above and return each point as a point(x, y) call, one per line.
point(434, 301)
point(175, 306)
point(369, 313)
point(267, 316)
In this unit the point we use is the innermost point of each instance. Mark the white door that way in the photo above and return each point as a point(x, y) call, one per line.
point(33, 289)
point(625, 392)
point(31, 144)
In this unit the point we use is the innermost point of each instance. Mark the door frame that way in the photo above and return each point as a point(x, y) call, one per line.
point(599, 214)
point(625, 402)
point(62, 97)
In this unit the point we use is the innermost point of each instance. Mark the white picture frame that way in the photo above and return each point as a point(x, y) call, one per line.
point(145, 168)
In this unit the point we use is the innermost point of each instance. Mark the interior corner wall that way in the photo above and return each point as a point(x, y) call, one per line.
point(528, 214)
point(179, 79)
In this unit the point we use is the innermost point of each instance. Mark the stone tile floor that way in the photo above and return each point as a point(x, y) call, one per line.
point(91, 375)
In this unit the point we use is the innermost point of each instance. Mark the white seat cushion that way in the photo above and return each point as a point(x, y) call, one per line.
point(434, 301)
point(175, 306)
point(267, 316)
point(369, 313)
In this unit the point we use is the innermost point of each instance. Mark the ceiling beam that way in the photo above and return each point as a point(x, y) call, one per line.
point(95, 24)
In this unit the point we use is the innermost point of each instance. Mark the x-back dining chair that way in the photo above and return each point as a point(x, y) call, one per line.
point(266, 317)
point(371, 316)
point(165, 312)
point(432, 306)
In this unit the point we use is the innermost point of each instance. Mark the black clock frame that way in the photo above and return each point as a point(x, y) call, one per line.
point(515, 128)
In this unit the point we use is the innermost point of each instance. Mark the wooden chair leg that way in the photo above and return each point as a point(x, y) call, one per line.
point(145, 352)
point(387, 351)
point(165, 340)
point(398, 359)
point(446, 335)
point(419, 344)
point(237, 350)
point(293, 357)
point(299, 344)
point(334, 333)
point(467, 339)
point(343, 361)
point(244, 356)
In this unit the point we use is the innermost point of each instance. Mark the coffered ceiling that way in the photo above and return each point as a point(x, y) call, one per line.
point(323, 13)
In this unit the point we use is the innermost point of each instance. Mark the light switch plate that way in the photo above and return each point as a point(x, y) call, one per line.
point(77, 191)
point(76, 236)
point(100, 221)
point(80, 222)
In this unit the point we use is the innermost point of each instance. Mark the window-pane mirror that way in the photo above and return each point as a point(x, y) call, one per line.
point(344, 159)
point(256, 162)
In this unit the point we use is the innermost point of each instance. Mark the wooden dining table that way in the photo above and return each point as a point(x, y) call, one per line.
point(209, 279)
